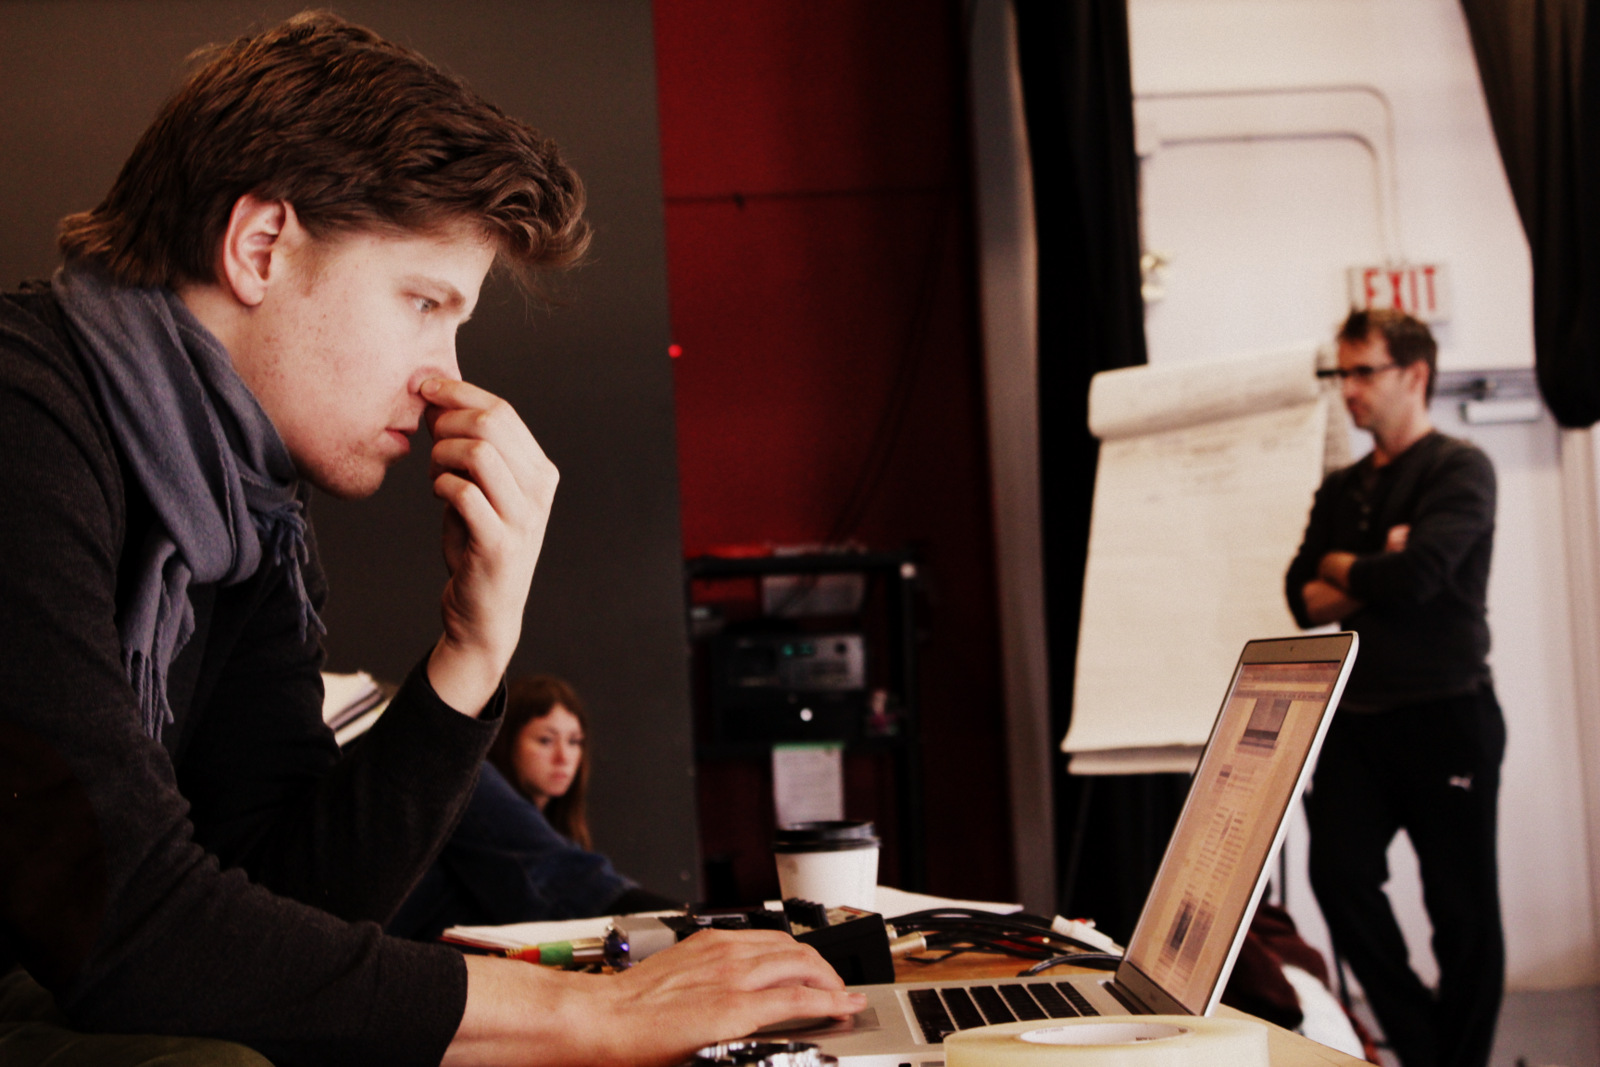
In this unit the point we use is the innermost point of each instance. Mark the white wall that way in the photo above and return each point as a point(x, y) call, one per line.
point(1451, 200)
point(1259, 230)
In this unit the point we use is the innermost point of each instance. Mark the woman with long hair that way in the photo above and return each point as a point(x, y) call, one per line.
point(521, 852)
point(542, 749)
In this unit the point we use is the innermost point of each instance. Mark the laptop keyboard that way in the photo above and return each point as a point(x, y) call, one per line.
point(962, 1008)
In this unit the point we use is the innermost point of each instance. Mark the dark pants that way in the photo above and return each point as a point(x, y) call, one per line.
point(33, 1033)
point(1433, 770)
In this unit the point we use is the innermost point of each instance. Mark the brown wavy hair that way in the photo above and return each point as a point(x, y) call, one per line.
point(1409, 340)
point(357, 133)
point(531, 698)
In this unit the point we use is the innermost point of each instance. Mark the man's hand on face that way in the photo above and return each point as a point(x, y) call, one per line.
point(498, 486)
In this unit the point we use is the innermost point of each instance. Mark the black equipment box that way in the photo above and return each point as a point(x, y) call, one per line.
point(789, 686)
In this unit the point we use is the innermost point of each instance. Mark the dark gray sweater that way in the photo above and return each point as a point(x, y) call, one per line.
point(1423, 622)
point(230, 880)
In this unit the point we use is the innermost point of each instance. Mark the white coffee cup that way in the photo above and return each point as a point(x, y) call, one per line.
point(830, 863)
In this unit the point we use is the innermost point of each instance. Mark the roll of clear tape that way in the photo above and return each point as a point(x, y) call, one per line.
point(1138, 1041)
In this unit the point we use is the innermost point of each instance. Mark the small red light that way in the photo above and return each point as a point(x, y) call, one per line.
point(674, 351)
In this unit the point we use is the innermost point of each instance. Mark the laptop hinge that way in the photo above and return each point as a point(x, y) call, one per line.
point(1126, 999)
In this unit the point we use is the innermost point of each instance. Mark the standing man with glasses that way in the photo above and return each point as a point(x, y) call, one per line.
point(1397, 548)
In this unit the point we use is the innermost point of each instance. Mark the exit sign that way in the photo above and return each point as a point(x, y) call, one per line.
point(1421, 290)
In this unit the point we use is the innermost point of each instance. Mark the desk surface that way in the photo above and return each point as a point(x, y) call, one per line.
point(1286, 1048)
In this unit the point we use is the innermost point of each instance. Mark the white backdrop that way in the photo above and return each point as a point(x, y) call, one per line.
point(1259, 232)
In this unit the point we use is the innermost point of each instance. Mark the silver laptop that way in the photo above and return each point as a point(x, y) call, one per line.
point(1258, 759)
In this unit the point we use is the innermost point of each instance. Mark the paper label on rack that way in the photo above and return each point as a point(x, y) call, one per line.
point(808, 782)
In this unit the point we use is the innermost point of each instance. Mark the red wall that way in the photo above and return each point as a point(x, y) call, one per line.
point(822, 288)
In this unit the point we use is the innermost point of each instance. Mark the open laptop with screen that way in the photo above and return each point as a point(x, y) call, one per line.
point(1258, 759)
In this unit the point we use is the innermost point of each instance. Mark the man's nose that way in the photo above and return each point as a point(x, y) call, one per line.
point(439, 364)
point(451, 366)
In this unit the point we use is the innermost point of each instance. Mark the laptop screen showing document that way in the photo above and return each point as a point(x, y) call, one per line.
point(1261, 749)
point(1265, 739)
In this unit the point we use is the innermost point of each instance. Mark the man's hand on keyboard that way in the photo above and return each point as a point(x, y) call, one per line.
point(714, 986)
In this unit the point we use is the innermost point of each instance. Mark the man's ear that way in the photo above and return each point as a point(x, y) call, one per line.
point(1418, 373)
point(259, 234)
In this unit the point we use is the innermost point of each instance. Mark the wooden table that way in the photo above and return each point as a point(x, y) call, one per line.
point(1285, 1047)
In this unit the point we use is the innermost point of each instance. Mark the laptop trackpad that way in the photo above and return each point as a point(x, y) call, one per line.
point(820, 1025)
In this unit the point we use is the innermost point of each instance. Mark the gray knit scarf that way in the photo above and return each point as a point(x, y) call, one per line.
point(217, 474)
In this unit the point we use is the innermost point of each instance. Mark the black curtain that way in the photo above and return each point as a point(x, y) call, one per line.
point(1538, 61)
point(1078, 100)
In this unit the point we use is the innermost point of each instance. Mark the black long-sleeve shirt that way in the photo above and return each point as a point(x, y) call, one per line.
point(229, 880)
point(1423, 619)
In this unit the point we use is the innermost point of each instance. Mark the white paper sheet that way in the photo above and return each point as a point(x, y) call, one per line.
point(892, 902)
point(1195, 521)
point(1143, 400)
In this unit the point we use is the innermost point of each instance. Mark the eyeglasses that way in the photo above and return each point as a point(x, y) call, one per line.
point(1360, 374)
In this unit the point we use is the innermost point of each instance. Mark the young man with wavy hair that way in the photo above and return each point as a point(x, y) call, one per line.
point(268, 299)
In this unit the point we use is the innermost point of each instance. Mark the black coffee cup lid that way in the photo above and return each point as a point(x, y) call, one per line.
point(827, 836)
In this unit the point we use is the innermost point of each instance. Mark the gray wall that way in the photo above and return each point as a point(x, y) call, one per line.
point(80, 80)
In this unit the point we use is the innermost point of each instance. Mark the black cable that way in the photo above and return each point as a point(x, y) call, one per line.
point(997, 947)
point(965, 943)
point(959, 948)
point(1015, 918)
point(955, 930)
point(1100, 961)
